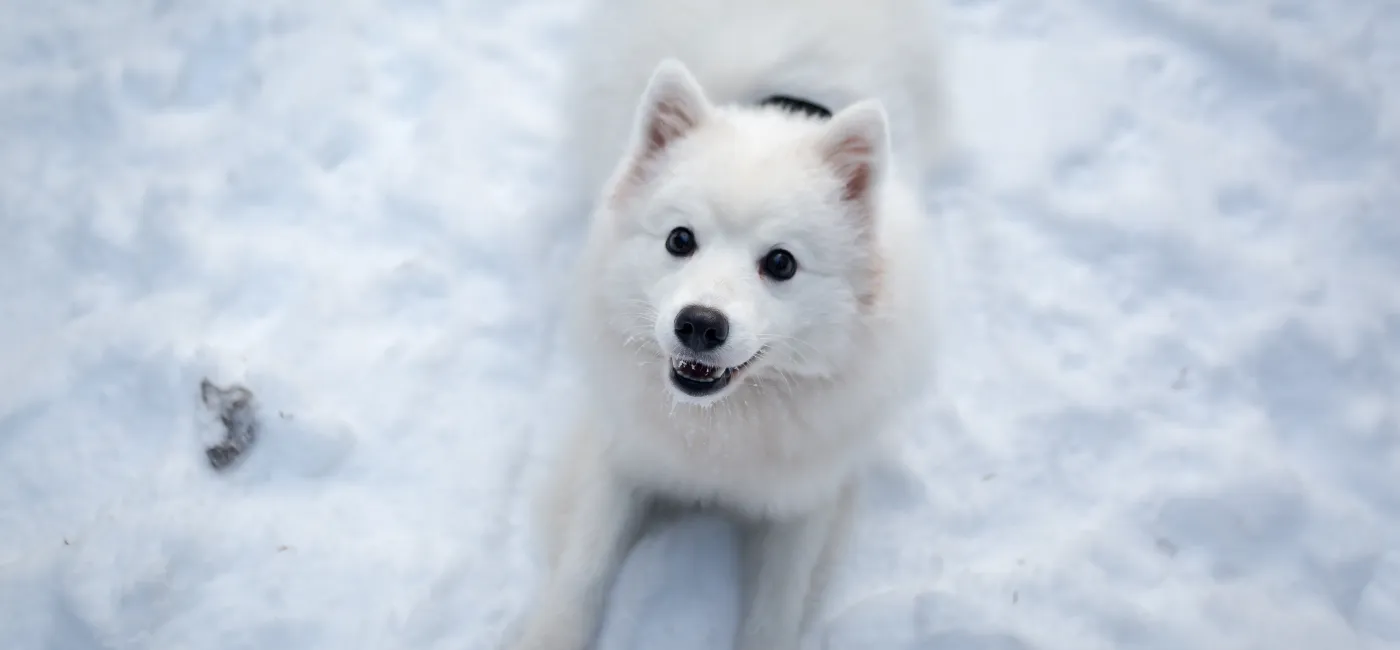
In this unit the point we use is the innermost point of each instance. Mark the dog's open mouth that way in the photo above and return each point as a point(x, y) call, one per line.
point(697, 379)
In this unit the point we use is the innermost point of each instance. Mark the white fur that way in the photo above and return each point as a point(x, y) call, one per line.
point(844, 344)
point(836, 52)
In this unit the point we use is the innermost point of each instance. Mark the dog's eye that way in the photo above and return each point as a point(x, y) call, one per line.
point(779, 265)
point(681, 242)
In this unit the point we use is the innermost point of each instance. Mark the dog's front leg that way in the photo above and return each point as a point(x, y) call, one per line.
point(601, 514)
point(784, 557)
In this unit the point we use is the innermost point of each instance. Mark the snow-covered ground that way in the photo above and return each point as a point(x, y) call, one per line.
point(1171, 409)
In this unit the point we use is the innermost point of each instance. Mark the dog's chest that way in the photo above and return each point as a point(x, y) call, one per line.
point(743, 467)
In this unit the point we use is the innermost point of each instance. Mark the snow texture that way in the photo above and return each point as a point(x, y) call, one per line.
point(1170, 411)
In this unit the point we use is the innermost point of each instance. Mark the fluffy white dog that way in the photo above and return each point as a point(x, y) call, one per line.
point(754, 303)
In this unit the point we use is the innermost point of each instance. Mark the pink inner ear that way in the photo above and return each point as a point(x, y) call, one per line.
point(668, 123)
point(857, 182)
point(656, 138)
point(852, 162)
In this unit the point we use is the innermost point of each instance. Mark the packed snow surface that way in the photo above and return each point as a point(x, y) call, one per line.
point(1170, 408)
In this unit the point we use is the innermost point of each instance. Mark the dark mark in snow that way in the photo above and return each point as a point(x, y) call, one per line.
point(1181, 378)
point(234, 406)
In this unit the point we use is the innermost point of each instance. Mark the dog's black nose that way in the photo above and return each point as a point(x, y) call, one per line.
point(701, 328)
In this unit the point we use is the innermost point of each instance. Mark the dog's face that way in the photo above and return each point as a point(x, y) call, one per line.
point(741, 244)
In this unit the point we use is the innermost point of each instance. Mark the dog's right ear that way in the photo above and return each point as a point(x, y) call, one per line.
point(673, 105)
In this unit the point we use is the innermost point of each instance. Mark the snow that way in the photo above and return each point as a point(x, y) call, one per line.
point(1170, 412)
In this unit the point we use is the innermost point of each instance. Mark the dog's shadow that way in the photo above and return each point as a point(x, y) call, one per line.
point(680, 583)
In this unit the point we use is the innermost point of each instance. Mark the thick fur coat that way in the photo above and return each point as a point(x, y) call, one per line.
point(753, 305)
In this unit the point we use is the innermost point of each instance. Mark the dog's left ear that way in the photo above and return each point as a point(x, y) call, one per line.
point(856, 147)
point(672, 106)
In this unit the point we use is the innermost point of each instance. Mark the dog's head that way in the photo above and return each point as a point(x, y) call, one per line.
point(740, 241)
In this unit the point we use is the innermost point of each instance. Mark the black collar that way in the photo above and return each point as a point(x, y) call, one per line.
point(798, 105)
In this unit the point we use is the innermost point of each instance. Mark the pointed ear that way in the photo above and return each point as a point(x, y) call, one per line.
point(856, 147)
point(672, 106)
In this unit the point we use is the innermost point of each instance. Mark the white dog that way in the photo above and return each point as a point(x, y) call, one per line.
point(754, 306)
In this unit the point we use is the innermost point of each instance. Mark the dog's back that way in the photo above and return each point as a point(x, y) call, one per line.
point(831, 53)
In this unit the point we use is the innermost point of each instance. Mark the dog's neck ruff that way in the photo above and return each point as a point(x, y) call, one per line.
point(798, 105)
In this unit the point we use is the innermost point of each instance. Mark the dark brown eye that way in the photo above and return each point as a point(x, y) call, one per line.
point(681, 242)
point(779, 265)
